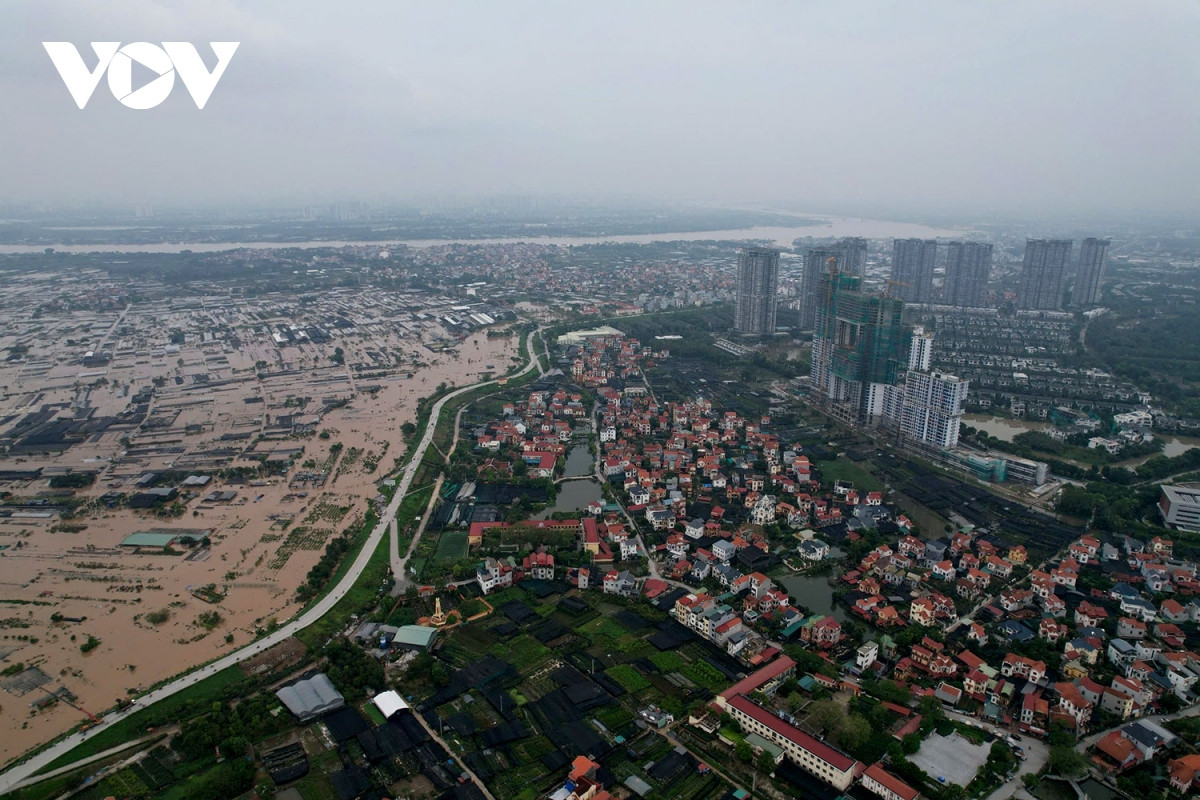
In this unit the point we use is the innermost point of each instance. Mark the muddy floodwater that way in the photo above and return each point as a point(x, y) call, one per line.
point(1005, 429)
point(145, 607)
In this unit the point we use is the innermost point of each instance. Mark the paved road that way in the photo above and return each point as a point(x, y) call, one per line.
point(1038, 752)
point(20, 772)
point(109, 753)
point(400, 564)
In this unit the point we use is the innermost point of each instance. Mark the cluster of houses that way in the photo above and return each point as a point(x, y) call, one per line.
point(719, 620)
point(666, 455)
point(970, 566)
point(1131, 427)
point(706, 482)
point(536, 430)
point(1121, 649)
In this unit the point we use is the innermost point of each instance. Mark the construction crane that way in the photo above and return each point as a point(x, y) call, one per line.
point(891, 284)
point(63, 695)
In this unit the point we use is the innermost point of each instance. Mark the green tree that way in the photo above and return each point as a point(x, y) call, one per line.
point(1060, 736)
point(954, 792)
point(744, 752)
point(766, 762)
point(888, 690)
point(1066, 762)
point(438, 674)
point(1001, 757)
point(826, 715)
point(854, 733)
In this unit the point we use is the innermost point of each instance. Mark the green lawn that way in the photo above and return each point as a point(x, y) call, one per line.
point(843, 469)
point(602, 628)
point(451, 546)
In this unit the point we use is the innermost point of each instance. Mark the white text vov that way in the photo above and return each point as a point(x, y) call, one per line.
point(118, 61)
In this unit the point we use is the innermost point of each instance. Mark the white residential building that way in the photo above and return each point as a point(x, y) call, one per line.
point(933, 408)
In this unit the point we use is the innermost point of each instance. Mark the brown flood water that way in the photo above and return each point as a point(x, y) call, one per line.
point(86, 577)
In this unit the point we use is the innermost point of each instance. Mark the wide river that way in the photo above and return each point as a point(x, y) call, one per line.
point(782, 236)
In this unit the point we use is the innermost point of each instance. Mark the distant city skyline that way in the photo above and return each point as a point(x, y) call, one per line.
point(408, 100)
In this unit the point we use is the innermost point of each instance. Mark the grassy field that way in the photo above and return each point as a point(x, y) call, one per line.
point(451, 546)
point(843, 469)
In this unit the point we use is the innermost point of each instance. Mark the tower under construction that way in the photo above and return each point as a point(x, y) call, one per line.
point(858, 348)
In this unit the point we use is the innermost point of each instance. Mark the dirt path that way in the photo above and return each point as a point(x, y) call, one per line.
point(457, 759)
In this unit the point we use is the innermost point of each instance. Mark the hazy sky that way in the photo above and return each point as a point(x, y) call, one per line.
point(957, 107)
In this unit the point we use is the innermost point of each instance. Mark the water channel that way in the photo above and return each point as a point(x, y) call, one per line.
point(573, 496)
point(580, 462)
point(814, 594)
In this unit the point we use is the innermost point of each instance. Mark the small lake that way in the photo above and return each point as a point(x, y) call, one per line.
point(814, 593)
point(1002, 427)
point(1005, 429)
point(580, 462)
point(573, 496)
point(1172, 446)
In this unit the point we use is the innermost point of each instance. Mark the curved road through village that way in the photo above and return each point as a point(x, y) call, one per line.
point(19, 773)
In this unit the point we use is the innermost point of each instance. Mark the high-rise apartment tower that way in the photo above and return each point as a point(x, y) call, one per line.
point(1042, 274)
point(912, 269)
point(1092, 255)
point(968, 268)
point(857, 351)
point(757, 290)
